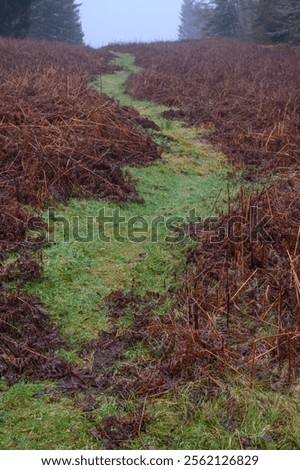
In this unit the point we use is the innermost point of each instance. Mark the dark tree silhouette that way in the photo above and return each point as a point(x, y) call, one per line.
point(57, 20)
point(14, 19)
point(194, 16)
point(225, 20)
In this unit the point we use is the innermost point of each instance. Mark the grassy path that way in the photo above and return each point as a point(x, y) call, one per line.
point(189, 176)
point(78, 275)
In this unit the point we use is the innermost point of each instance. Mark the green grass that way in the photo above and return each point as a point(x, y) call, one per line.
point(239, 415)
point(114, 86)
point(30, 419)
point(78, 275)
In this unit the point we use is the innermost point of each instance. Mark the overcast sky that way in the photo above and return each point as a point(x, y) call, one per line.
point(106, 21)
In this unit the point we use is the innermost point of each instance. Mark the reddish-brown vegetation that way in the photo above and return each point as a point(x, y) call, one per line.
point(59, 138)
point(239, 307)
point(242, 290)
point(242, 293)
point(28, 340)
point(248, 94)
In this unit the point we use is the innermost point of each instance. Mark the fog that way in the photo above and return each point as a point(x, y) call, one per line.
point(107, 21)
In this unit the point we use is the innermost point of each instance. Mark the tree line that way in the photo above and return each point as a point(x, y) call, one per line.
point(57, 20)
point(264, 20)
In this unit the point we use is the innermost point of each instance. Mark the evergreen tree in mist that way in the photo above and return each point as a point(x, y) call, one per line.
point(224, 20)
point(288, 20)
point(57, 20)
point(246, 15)
point(194, 16)
point(278, 21)
point(14, 18)
point(264, 20)
point(188, 23)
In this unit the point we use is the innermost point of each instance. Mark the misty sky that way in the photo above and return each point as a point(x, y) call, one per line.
point(106, 21)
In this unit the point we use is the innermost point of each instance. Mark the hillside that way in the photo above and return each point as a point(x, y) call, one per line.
point(150, 293)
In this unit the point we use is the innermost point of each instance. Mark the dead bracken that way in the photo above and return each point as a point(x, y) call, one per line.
point(241, 294)
point(58, 139)
point(238, 307)
point(245, 94)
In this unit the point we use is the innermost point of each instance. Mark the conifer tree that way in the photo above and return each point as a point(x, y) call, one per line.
point(278, 21)
point(265, 20)
point(14, 18)
point(224, 20)
point(194, 16)
point(57, 20)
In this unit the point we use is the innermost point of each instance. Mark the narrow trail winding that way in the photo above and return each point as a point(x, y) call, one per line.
point(189, 177)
